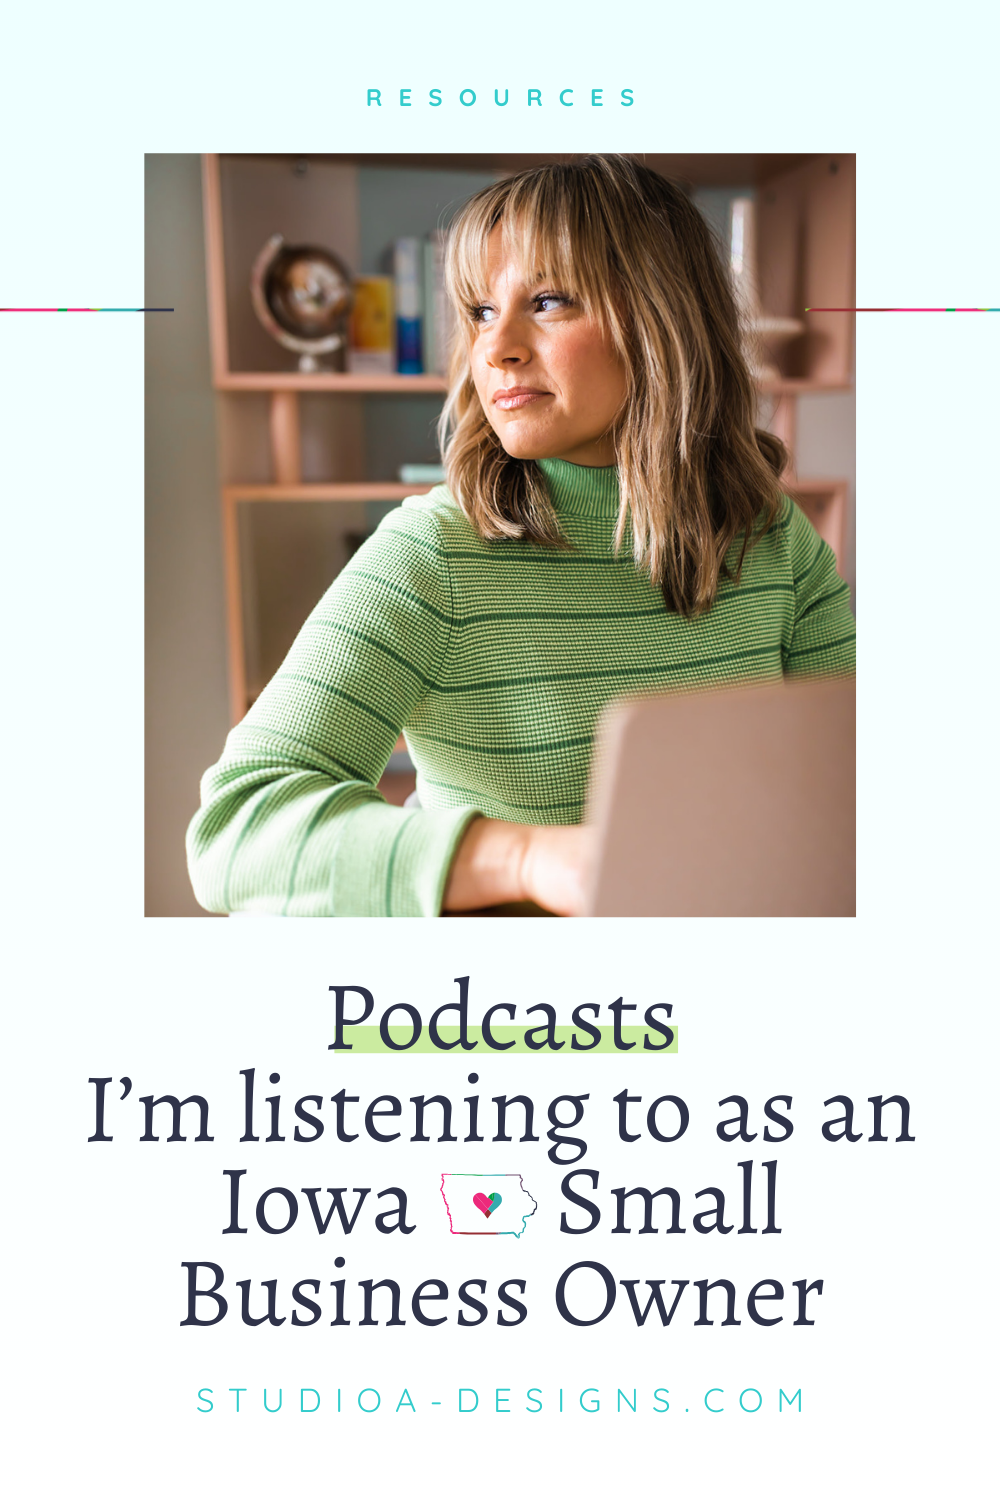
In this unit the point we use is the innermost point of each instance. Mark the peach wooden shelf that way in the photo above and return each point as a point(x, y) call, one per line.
point(800, 387)
point(330, 381)
point(366, 490)
point(424, 385)
point(235, 495)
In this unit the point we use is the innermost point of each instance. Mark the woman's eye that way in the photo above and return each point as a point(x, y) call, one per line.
point(542, 302)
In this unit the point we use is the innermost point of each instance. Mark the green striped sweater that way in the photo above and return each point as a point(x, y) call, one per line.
point(495, 659)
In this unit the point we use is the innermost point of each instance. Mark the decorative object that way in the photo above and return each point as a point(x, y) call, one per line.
point(421, 474)
point(763, 328)
point(302, 295)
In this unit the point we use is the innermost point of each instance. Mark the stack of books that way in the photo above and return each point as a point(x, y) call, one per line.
point(404, 323)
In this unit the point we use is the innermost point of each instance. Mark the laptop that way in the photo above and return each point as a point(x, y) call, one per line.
point(734, 803)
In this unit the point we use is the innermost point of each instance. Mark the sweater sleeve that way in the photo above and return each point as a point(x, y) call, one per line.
point(291, 821)
point(822, 639)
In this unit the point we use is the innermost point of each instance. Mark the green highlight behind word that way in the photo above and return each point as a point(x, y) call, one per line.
point(508, 1039)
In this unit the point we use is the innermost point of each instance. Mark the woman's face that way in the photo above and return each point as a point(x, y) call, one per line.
point(548, 378)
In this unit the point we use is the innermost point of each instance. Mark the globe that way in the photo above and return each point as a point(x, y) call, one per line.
point(302, 295)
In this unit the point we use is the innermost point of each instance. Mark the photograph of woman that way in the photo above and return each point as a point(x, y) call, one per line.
point(613, 525)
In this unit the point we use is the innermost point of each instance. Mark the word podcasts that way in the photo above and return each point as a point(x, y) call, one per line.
point(402, 1028)
point(590, 98)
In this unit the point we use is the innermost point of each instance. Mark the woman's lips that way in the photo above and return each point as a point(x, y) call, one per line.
point(511, 397)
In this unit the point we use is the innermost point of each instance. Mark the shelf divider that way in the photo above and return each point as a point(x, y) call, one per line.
point(363, 490)
point(329, 380)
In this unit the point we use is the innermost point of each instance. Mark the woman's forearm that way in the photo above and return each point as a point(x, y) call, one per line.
point(499, 862)
point(488, 866)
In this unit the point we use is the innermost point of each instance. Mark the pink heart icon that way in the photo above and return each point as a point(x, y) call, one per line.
point(486, 1205)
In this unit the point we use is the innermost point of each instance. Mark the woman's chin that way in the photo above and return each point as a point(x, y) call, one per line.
point(591, 456)
point(525, 445)
point(526, 451)
point(518, 441)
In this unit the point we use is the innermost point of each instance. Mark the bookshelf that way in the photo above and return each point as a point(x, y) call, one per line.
point(303, 455)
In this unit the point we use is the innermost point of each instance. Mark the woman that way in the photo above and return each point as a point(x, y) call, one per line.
point(612, 525)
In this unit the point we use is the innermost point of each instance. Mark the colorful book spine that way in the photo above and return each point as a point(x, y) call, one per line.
point(408, 278)
point(438, 311)
point(373, 328)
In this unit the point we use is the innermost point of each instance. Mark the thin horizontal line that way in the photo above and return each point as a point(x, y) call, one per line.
point(86, 309)
point(903, 309)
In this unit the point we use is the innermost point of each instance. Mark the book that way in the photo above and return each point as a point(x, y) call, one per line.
point(409, 299)
point(372, 336)
point(439, 315)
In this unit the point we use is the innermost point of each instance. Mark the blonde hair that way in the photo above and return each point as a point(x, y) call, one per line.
point(695, 474)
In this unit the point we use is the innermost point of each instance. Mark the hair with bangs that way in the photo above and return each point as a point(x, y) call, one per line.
point(695, 473)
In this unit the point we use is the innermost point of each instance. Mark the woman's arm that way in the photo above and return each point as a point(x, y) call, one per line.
point(822, 638)
point(498, 862)
point(291, 821)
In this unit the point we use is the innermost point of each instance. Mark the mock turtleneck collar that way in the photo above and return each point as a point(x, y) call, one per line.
point(578, 490)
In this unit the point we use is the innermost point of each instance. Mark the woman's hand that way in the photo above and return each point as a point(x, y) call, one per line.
point(556, 867)
point(500, 862)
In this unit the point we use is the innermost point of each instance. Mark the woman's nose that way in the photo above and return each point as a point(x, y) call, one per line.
point(509, 343)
